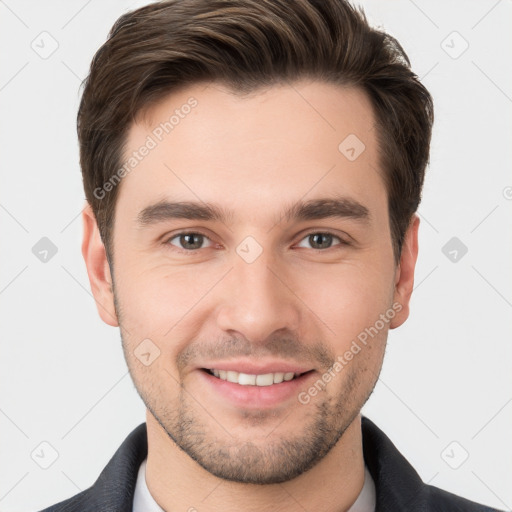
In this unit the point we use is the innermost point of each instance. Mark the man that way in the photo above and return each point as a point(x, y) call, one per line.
point(252, 171)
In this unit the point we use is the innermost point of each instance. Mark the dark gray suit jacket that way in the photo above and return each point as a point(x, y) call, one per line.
point(398, 486)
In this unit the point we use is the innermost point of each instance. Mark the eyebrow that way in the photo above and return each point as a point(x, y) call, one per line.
point(314, 209)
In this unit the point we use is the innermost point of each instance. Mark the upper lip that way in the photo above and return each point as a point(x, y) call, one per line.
point(257, 368)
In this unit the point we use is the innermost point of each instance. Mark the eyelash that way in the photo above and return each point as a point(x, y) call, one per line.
point(194, 251)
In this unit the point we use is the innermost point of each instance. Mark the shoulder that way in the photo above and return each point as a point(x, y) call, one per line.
point(77, 503)
point(115, 486)
point(397, 483)
point(439, 500)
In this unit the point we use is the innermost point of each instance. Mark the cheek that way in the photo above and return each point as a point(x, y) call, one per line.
point(155, 300)
point(347, 298)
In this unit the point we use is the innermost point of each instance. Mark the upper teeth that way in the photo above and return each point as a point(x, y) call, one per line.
point(246, 379)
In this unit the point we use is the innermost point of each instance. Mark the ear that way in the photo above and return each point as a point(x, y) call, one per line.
point(404, 276)
point(98, 268)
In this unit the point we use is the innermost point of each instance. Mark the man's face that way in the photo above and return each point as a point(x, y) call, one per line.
point(257, 292)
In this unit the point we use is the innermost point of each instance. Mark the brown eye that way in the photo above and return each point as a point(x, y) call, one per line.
point(188, 241)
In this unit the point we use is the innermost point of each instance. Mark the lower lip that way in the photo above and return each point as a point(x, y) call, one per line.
point(257, 396)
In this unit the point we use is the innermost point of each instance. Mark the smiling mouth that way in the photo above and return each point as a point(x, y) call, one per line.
point(246, 379)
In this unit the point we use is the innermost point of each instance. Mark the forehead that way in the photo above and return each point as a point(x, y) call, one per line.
point(204, 142)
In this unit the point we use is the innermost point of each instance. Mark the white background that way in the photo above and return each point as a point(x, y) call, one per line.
point(447, 372)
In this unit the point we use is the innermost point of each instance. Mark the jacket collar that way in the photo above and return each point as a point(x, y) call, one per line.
point(398, 486)
point(114, 489)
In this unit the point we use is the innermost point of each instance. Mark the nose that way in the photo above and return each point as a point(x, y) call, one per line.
point(258, 299)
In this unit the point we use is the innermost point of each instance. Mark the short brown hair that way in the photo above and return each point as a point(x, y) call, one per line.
point(247, 45)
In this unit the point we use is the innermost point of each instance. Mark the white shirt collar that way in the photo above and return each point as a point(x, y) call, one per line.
point(144, 502)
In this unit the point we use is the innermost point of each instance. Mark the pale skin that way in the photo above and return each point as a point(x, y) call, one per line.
point(255, 156)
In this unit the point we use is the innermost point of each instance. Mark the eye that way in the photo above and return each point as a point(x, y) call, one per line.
point(322, 240)
point(188, 241)
point(191, 241)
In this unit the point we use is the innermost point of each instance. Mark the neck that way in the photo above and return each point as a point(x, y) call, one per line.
point(177, 482)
